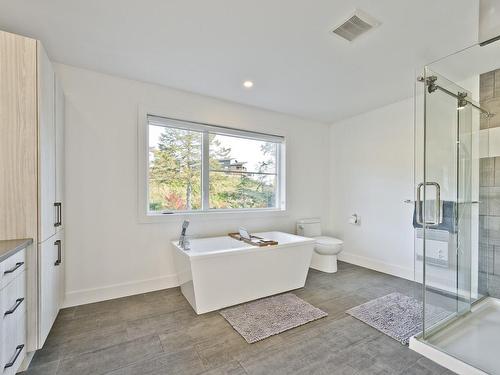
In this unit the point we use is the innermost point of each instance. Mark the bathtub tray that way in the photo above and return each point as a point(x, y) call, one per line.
point(254, 240)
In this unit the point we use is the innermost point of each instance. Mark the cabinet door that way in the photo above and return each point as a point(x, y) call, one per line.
point(46, 147)
point(60, 275)
point(13, 317)
point(59, 116)
point(49, 300)
point(18, 137)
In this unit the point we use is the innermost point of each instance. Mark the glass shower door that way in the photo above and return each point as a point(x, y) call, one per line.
point(443, 202)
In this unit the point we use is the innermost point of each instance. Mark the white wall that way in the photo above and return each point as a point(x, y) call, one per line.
point(371, 157)
point(111, 254)
point(489, 15)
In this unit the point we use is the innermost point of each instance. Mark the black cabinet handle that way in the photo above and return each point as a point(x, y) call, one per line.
point(56, 223)
point(19, 349)
point(58, 206)
point(59, 260)
point(11, 311)
point(18, 264)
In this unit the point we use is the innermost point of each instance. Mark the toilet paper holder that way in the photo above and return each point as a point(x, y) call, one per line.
point(354, 219)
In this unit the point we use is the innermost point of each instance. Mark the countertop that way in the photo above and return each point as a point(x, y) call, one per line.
point(10, 247)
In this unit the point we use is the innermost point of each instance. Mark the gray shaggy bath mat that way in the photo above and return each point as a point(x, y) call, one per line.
point(396, 315)
point(269, 316)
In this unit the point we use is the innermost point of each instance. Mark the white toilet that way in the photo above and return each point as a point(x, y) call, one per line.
point(326, 249)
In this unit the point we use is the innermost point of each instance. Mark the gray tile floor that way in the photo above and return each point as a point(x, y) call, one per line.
point(159, 333)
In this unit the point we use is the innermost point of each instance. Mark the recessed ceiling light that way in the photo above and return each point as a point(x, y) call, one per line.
point(248, 84)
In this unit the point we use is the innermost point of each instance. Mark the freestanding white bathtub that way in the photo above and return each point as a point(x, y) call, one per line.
point(221, 271)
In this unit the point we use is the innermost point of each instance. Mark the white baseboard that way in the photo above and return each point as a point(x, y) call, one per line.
point(84, 296)
point(373, 264)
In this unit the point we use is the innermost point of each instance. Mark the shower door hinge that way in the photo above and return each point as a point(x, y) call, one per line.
point(430, 83)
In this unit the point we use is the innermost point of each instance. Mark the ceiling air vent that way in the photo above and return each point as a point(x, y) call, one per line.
point(359, 23)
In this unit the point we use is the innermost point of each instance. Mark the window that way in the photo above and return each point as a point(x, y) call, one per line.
point(197, 168)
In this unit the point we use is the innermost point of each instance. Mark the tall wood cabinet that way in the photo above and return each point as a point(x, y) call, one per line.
point(32, 174)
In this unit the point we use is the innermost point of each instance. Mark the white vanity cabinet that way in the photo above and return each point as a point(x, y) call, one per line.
point(13, 334)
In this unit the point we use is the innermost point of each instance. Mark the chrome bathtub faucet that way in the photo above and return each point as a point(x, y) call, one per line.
point(183, 243)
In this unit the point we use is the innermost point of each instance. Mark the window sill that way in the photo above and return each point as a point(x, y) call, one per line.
point(211, 215)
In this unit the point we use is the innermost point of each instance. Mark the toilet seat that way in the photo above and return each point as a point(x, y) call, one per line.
point(328, 245)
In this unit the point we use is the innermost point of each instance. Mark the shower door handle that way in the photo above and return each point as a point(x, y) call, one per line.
point(418, 205)
point(437, 208)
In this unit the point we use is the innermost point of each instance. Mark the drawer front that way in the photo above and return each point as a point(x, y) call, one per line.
point(13, 298)
point(13, 315)
point(12, 267)
point(15, 353)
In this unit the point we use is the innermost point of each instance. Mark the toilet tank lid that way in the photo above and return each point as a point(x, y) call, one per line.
point(309, 221)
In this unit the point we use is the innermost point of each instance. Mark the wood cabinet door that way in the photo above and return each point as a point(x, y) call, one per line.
point(46, 147)
point(18, 137)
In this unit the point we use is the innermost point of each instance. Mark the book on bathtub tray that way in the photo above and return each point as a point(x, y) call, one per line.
point(254, 240)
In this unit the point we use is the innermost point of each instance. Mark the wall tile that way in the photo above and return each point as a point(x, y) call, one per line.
point(496, 168)
point(492, 137)
point(486, 85)
point(486, 172)
point(486, 258)
point(494, 286)
point(493, 105)
point(489, 201)
point(491, 259)
point(486, 267)
point(483, 200)
point(496, 83)
point(483, 283)
point(484, 123)
point(496, 260)
point(483, 230)
point(489, 194)
point(493, 228)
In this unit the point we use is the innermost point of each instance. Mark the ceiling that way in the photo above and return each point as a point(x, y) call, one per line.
point(284, 46)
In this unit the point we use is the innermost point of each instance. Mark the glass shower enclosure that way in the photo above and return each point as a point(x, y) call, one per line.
point(453, 261)
point(444, 202)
